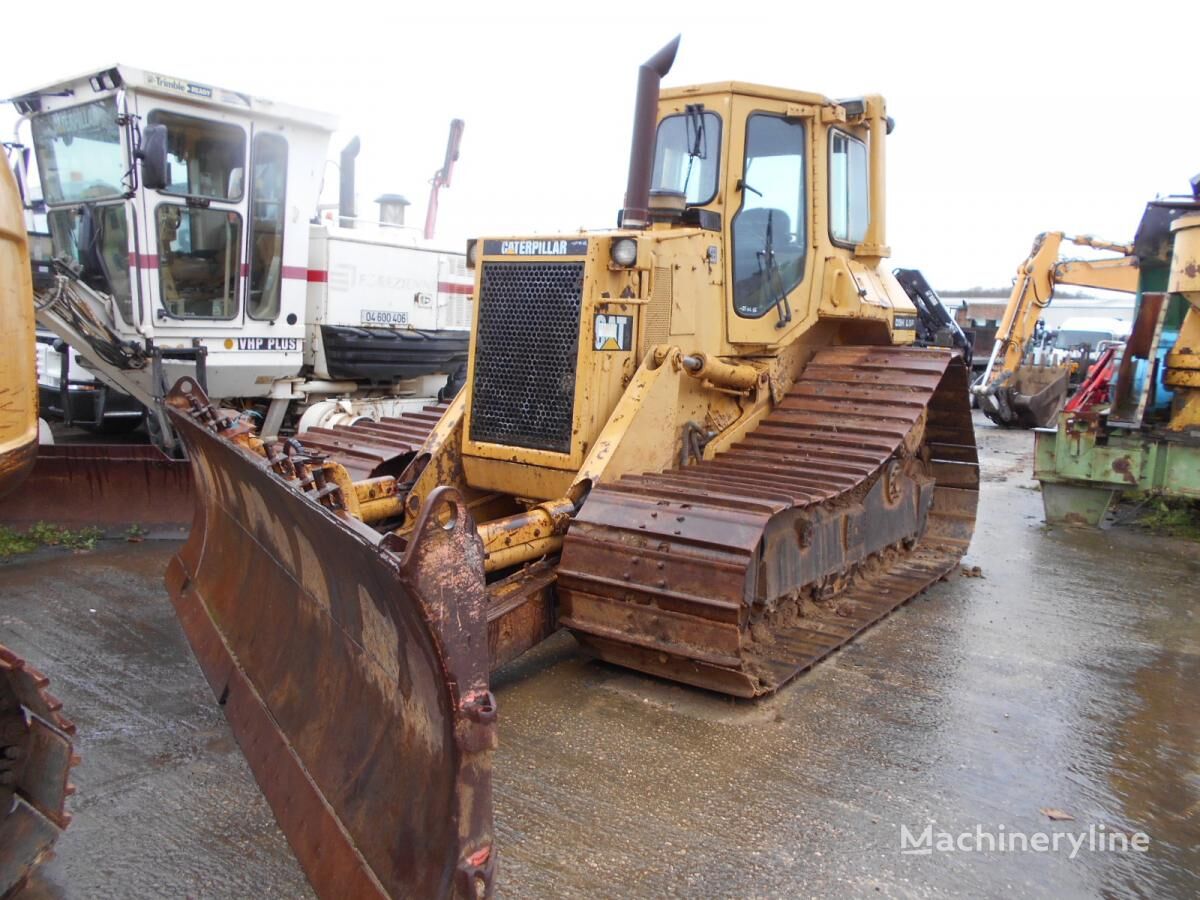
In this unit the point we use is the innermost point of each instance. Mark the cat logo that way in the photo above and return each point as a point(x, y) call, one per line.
point(613, 332)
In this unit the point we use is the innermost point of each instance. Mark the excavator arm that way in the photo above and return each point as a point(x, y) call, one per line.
point(1011, 391)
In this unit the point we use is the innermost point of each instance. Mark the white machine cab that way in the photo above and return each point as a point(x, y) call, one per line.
point(183, 219)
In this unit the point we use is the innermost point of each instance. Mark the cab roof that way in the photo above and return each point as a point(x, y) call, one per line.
point(747, 89)
point(146, 82)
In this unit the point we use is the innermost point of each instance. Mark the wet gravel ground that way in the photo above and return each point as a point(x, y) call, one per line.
point(1063, 678)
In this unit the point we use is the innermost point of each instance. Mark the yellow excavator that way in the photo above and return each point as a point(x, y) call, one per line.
point(702, 442)
point(35, 738)
point(1015, 389)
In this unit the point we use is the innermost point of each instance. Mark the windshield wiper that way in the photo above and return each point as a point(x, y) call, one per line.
point(697, 136)
point(697, 139)
point(768, 270)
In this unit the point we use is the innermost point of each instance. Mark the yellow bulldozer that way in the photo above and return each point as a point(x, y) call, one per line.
point(702, 442)
point(35, 738)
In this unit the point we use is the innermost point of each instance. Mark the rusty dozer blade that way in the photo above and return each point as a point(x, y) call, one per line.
point(354, 675)
point(35, 761)
point(106, 486)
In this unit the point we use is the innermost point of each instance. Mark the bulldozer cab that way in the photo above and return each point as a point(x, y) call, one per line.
point(757, 217)
point(758, 160)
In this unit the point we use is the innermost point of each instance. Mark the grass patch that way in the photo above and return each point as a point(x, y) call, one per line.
point(43, 534)
point(1174, 517)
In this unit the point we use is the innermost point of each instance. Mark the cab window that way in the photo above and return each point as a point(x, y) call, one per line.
point(848, 208)
point(79, 153)
point(268, 172)
point(687, 155)
point(97, 238)
point(768, 231)
point(205, 158)
point(199, 260)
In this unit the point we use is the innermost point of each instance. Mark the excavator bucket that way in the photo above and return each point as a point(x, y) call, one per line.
point(353, 672)
point(35, 760)
point(1037, 395)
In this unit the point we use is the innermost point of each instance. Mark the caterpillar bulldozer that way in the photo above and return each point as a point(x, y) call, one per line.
point(1016, 389)
point(703, 442)
point(35, 738)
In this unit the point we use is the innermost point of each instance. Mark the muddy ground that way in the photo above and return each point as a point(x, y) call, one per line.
point(1065, 678)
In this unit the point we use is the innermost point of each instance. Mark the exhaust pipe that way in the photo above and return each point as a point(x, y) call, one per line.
point(346, 183)
point(636, 213)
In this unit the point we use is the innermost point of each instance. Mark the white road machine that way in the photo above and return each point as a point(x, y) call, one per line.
point(184, 238)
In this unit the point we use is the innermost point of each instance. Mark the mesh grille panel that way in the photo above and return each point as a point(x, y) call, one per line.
point(658, 312)
point(525, 353)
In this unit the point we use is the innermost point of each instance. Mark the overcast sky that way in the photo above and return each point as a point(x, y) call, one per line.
point(1011, 118)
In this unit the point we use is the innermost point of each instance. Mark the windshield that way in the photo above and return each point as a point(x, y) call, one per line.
point(769, 243)
point(687, 155)
point(79, 153)
point(1068, 339)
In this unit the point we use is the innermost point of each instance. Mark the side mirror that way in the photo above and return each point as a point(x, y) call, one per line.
point(153, 154)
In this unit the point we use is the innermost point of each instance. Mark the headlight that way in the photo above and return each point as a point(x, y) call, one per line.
point(624, 251)
point(472, 253)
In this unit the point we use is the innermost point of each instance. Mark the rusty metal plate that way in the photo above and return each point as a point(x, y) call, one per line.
point(355, 678)
point(107, 486)
point(15, 465)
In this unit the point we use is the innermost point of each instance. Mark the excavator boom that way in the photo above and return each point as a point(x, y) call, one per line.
point(1014, 390)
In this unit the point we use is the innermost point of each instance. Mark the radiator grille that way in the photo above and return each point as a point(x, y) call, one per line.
point(525, 353)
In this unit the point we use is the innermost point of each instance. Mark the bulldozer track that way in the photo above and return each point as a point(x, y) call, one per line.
point(853, 495)
point(36, 757)
point(367, 448)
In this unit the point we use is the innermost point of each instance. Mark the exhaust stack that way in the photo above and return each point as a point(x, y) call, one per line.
point(346, 183)
point(636, 213)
